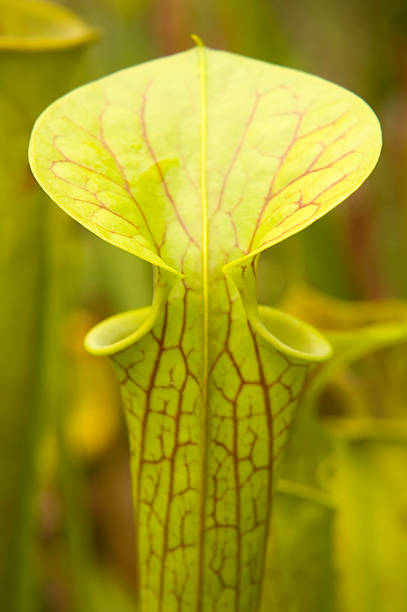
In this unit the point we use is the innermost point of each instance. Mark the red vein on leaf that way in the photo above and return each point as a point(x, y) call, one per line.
point(309, 170)
point(269, 419)
point(272, 182)
point(237, 151)
point(123, 174)
point(159, 169)
point(126, 185)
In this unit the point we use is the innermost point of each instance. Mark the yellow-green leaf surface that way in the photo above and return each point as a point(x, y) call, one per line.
point(197, 162)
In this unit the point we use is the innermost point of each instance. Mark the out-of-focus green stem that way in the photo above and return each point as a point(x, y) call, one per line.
point(39, 48)
point(21, 565)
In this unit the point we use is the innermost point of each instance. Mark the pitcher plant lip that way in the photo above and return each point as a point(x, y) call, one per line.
point(119, 331)
point(54, 27)
point(292, 336)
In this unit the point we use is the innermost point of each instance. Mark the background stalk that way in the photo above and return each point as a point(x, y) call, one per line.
point(35, 66)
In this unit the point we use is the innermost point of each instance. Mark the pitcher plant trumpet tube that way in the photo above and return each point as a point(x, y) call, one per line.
point(198, 162)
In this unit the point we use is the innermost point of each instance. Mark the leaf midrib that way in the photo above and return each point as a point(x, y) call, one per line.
point(205, 306)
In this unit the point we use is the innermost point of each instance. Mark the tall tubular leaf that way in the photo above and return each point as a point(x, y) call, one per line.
point(39, 45)
point(197, 163)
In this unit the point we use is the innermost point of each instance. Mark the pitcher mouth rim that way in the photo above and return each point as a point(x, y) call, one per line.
point(118, 332)
point(292, 337)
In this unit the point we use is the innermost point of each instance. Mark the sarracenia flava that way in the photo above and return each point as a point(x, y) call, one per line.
point(197, 163)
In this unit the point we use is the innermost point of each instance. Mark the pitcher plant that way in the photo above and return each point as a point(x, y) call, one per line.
point(198, 162)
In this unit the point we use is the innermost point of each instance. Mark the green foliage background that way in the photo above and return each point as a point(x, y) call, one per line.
point(341, 513)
